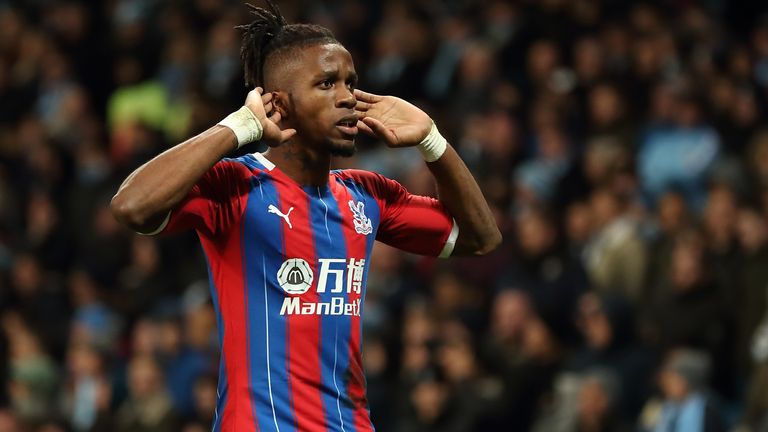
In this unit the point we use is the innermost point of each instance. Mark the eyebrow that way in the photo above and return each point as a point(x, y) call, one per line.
point(335, 73)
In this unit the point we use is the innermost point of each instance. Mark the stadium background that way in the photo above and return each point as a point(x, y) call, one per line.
point(622, 145)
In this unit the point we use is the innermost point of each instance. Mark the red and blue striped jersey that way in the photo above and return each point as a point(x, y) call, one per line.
point(288, 266)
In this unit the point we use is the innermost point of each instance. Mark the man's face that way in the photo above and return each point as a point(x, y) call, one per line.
point(321, 101)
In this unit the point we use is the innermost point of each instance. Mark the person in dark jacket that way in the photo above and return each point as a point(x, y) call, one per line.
point(690, 309)
point(607, 325)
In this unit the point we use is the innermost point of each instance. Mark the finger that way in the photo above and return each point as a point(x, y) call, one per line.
point(266, 98)
point(287, 134)
point(268, 107)
point(367, 97)
point(363, 106)
point(272, 134)
point(259, 90)
point(276, 117)
point(379, 130)
point(364, 127)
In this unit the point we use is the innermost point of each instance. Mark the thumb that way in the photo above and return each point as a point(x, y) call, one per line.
point(271, 135)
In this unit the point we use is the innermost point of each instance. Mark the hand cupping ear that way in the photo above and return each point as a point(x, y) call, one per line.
point(258, 119)
point(399, 123)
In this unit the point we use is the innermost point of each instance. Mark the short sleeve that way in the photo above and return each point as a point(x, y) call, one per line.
point(215, 202)
point(413, 223)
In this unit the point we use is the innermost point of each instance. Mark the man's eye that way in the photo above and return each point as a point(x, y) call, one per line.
point(326, 84)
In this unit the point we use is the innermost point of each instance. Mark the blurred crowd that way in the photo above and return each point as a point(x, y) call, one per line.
point(623, 147)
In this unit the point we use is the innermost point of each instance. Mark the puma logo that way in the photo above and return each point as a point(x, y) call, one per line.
point(273, 209)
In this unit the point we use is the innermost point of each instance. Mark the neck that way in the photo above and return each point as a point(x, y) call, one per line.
point(301, 163)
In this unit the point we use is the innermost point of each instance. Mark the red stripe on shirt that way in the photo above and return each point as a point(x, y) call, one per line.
point(303, 331)
point(356, 248)
point(226, 261)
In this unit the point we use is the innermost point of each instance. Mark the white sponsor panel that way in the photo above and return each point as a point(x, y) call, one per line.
point(337, 276)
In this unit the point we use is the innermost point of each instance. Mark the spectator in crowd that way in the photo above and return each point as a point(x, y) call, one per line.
point(753, 239)
point(181, 364)
point(479, 395)
point(689, 308)
point(755, 416)
point(93, 321)
point(536, 179)
point(679, 149)
point(616, 255)
point(33, 378)
point(148, 407)
point(525, 353)
point(604, 162)
point(431, 407)
point(204, 396)
point(142, 280)
point(597, 404)
point(88, 394)
point(551, 277)
point(719, 219)
point(607, 325)
point(45, 237)
point(686, 404)
point(40, 301)
point(578, 226)
point(672, 217)
point(608, 113)
point(757, 159)
point(381, 389)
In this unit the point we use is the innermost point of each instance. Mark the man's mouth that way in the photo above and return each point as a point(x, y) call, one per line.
point(348, 125)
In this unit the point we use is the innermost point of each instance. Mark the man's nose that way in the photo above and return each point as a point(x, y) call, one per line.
point(346, 99)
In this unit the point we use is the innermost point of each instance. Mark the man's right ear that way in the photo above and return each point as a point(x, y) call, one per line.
point(280, 103)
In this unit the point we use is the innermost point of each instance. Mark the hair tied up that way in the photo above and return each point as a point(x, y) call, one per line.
point(269, 33)
point(258, 34)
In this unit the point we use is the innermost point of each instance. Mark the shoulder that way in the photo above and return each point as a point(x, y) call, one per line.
point(249, 162)
point(357, 175)
point(372, 182)
point(245, 166)
point(230, 176)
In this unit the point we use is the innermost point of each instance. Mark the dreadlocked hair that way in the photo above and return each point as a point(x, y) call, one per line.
point(269, 33)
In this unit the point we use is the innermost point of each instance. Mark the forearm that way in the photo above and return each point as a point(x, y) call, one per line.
point(459, 193)
point(149, 193)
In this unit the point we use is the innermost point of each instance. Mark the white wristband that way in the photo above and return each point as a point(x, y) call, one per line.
point(245, 125)
point(433, 146)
